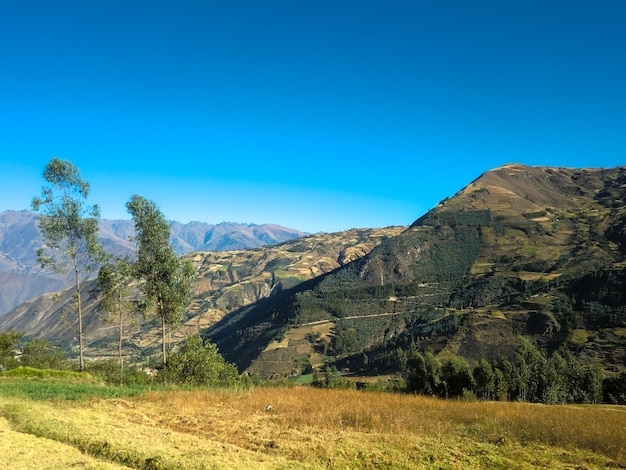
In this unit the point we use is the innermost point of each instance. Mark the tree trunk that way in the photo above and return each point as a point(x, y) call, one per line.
point(119, 344)
point(81, 360)
point(163, 334)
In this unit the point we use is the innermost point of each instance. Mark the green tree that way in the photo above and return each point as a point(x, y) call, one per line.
point(570, 382)
point(166, 281)
point(501, 388)
point(508, 381)
point(41, 354)
point(345, 341)
point(69, 228)
point(423, 373)
point(531, 364)
point(198, 362)
point(8, 342)
point(573, 377)
point(456, 377)
point(484, 380)
point(416, 375)
point(592, 385)
point(433, 370)
point(556, 380)
point(114, 283)
point(614, 389)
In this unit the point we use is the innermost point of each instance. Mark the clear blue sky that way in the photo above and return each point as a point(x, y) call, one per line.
point(317, 115)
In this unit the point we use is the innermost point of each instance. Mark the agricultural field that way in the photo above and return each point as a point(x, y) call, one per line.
point(48, 422)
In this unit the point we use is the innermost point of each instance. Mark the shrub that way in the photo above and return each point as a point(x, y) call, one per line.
point(198, 362)
point(110, 372)
point(107, 370)
point(135, 376)
point(41, 354)
point(8, 342)
point(332, 379)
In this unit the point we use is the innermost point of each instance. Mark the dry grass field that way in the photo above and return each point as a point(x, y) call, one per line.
point(305, 428)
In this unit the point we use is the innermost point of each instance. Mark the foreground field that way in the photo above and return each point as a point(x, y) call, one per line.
point(304, 428)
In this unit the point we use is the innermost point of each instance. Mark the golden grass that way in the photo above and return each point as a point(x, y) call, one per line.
point(25, 451)
point(312, 428)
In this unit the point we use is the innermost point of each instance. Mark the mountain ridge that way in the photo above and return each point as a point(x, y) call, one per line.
point(509, 254)
point(20, 239)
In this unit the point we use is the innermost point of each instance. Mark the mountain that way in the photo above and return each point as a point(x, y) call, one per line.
point(19, 241)
point(226, 236)
point(521, 250)
point(23, 279)
point(225, 281)
point(533, 251)
point(15, 288)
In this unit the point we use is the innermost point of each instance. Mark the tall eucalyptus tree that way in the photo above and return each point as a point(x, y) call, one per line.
point(165, 280)
point(114, 283)
point(69, 228)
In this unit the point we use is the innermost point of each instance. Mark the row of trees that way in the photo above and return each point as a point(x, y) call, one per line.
point(197, 362)
point(69, 228)
point(530, 377)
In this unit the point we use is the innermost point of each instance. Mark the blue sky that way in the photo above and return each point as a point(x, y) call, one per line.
point(320, 116)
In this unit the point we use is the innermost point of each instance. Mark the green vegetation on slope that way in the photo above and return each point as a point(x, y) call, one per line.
point(537, 252)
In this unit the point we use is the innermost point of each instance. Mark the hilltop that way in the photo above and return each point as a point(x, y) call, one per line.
point(521, 250)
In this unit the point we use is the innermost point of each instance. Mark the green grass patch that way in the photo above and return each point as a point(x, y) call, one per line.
point(45, 373)
point(496, 313)
point(580, 336)
point(304, 379)
point(529, 250)
point(289, 280)
point(35, 384)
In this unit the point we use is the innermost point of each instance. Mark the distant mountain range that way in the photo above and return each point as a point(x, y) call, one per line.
point(21, 278)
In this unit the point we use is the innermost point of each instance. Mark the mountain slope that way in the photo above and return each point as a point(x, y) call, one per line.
point(520, 250)
point(19, 240)
point(17, 288)
point(225, 281)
